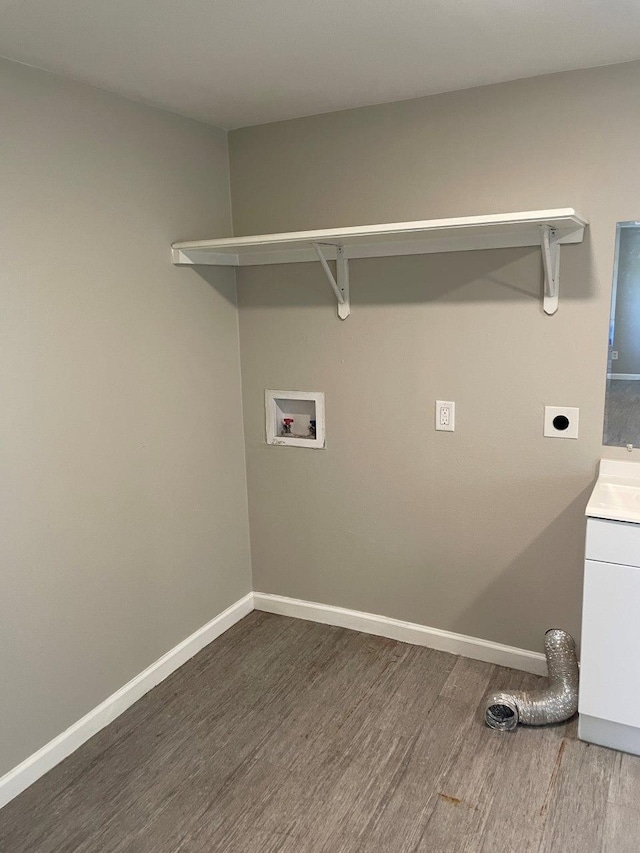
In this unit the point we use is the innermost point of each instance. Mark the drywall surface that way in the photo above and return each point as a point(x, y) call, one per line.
point(122, 480)
point(479, 531)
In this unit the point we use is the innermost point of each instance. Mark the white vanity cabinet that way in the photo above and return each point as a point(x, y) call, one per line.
point(609, 703)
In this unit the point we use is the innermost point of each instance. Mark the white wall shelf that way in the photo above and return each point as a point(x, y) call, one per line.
point(548, 229)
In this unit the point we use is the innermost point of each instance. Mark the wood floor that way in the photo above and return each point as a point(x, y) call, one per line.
point(288, 736)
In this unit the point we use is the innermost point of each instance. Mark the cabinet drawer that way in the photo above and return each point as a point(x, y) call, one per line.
point(613, 541)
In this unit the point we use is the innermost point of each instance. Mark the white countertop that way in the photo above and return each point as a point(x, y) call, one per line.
point(616, 494)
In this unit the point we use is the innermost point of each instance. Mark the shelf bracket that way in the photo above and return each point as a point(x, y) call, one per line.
point(551, 263)
point(341, 286)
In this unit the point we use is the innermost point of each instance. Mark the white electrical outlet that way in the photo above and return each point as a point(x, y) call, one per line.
point(614, 355)
point(561, 422)
point(445, 415)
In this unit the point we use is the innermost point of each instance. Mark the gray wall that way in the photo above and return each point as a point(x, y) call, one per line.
point(627, 327)
point(124, 520)
point(480, 531)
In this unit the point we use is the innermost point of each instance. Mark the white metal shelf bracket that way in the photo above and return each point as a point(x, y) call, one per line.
point(341, 286)
point(551, 263)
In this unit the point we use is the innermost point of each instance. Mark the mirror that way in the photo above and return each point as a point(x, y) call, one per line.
point(622, 404)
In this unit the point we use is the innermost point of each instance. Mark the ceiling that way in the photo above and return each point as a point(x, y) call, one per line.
point(234, 63)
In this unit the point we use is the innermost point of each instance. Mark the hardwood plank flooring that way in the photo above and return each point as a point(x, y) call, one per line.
point(284, 736)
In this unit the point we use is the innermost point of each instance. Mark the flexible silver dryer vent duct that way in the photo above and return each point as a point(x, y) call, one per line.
point(554, 703)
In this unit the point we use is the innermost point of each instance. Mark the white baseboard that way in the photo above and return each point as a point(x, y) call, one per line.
point(623, 375)
point(406, 632)
point(26, 773)
point(16, 780)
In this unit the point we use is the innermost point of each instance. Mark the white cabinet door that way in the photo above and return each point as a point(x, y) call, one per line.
point(610, 649)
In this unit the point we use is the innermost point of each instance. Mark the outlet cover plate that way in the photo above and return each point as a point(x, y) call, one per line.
point(445, 415)
point(561, 421)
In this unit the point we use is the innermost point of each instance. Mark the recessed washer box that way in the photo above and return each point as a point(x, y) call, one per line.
point(295, 418)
